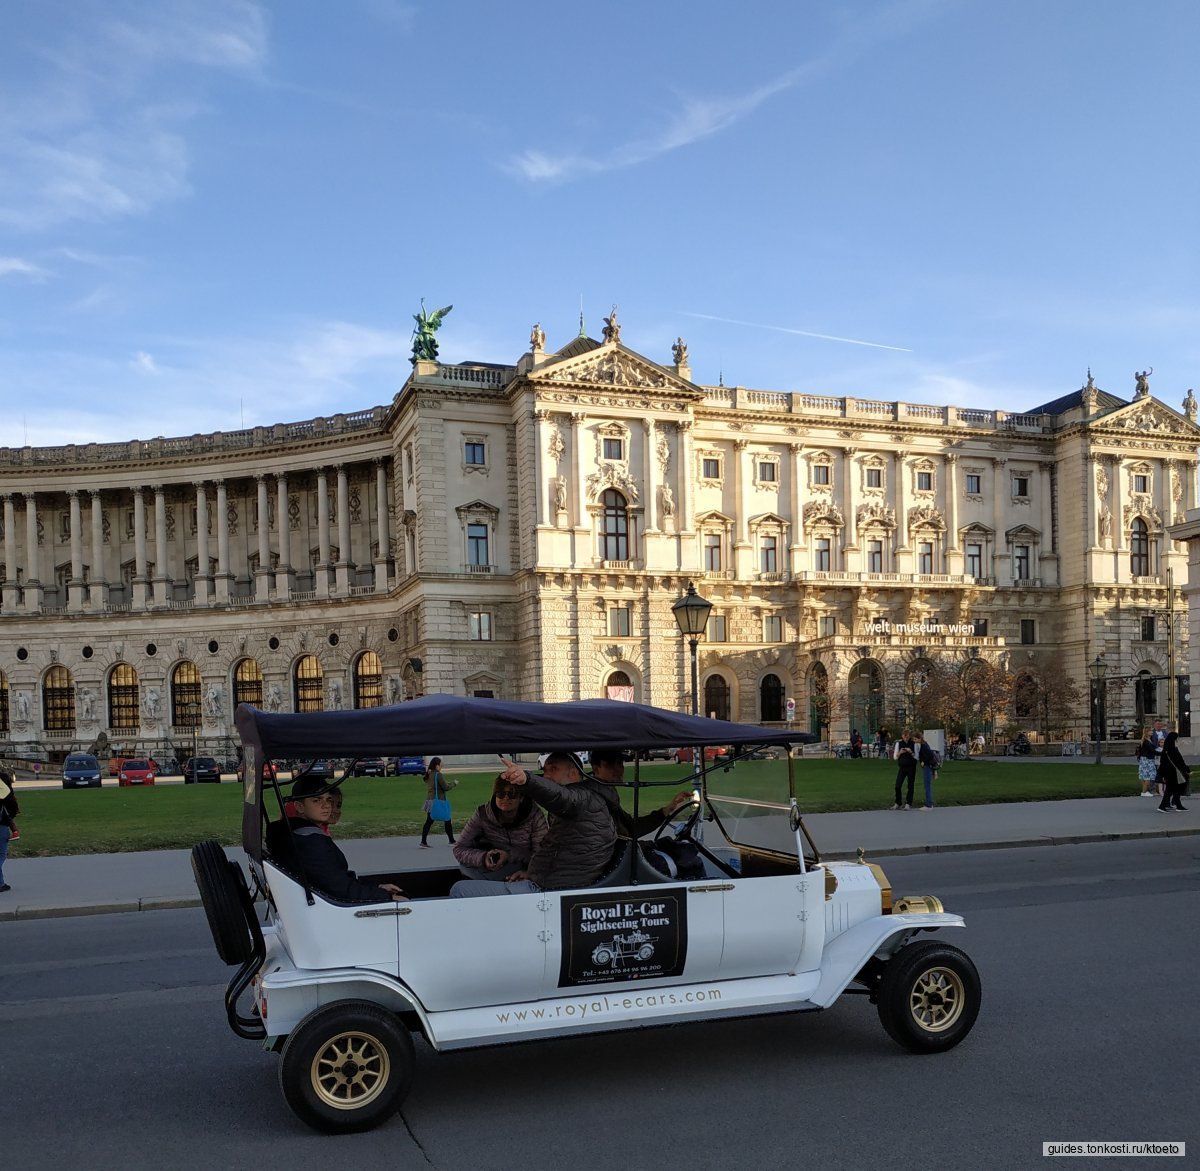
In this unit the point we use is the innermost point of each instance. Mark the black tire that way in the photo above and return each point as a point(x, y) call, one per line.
point(347, 1067)
point(929, 996)
point(224, 893)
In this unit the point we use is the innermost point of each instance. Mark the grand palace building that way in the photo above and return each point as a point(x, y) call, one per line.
point(522, 531)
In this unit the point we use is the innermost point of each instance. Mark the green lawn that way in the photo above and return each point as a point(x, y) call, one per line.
point(110, 820)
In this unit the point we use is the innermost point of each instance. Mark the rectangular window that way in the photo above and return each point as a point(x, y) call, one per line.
point(769, 549)
point(974, 560)
point(618, 621)
point(408, 463)
point(477, 545)
point(1148, 628)
point(717, 630)
point(973, 484)
point(1020, 487)
point(710, 468)
point(766, 473)
point(486, 694)
point(925, 557)
point(481, 626)
point(820, 473)
point(613, 449)
point(827, 626)
point(924, 481)
point(981, 628)
point(1021, 562)
point(712, 551)
point(773, 628)
point(474, 454)
point(874, 556)
point(874, 477)
point(1141, 483)
point(823, 553)
point(1028, 631)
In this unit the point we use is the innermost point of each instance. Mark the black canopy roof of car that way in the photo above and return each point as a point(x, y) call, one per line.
point(453, 725)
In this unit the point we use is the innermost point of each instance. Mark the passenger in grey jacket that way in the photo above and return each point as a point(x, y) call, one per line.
point(580, 841)
point(502, 835)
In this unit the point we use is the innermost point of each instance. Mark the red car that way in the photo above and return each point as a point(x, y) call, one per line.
point(136, 772)
point(711, 752)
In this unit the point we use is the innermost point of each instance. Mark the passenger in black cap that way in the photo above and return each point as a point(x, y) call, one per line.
point(323, 863)
point(608, 766)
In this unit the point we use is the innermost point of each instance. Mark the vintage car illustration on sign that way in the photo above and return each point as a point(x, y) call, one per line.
point(338, 989)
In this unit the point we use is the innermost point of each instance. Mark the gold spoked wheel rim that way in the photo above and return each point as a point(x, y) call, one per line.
point(350, 1070)
point(937, 1000)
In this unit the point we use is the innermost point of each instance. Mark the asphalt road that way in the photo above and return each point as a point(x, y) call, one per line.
point(114, 1050)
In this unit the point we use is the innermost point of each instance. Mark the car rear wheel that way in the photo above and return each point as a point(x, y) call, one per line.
point(347, 1067)
point(929, 996)
point(224, 894)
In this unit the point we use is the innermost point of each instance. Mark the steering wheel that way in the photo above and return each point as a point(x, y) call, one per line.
point(684, 834)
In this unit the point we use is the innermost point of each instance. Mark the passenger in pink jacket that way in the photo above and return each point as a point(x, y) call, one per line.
point(501, 836)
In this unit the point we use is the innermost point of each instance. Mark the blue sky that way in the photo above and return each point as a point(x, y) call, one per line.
point(217, 211)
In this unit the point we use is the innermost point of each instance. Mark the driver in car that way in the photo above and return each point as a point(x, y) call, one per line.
point(582, 833)
point(608, 766)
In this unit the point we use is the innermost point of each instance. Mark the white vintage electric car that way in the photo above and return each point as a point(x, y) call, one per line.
point(339, 989)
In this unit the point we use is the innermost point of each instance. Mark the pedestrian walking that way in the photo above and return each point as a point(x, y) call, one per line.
point(437, 805)
point(906, 768)
point(928, 760)
point(1173, 772)
point(1158, 738)
point(8, 812)
point(1147, 762)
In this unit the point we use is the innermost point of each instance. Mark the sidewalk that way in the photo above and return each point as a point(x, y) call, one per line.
point(98, 884)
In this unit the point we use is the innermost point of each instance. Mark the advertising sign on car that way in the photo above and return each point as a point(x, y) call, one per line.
point(622, 938)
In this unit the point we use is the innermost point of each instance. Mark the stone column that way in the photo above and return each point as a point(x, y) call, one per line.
point(950, 479)
point(33, 573)
point(98, 595)
point(541, 480)
point(649, 435)
point(224, 576)
point(687, 469)
point(849, 499)
point(139, 537)
point(343, 519)
point(283, 572)
point(11, 592)
point(1117, 491)
point(162, 580)
point(901, 497)
point(581, 465)
point(796, 506)
point(1049, 554)
point(322, 574)
point(75, 587)
point(203, 586)
point(1001, 495)
point(262, 579)
point(383, 529)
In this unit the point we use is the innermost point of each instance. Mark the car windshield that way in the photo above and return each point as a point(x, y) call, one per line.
point(81, 762)
point(136, 764)
point(751, 801)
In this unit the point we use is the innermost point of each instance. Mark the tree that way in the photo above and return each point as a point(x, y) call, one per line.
point(1045, 692)
point(963, 697)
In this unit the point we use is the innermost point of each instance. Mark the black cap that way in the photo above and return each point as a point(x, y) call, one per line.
point(310, 787)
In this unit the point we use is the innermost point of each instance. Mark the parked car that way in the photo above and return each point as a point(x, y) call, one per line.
point(761, 923)
point(659, 753)
point(268, 770)
point(81, 770)
point(202, 769)
point(136, 771)
point(371, 766)
point(410, 766)
point(711, 752)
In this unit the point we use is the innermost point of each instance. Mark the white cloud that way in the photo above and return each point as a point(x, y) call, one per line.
point(15, 266)
point(144, 363)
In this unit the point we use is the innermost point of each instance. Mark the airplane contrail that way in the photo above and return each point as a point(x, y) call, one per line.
point(828, 337)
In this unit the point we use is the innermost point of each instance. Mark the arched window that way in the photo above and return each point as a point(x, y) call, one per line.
point(1025, 697)
point(58, 700)
point(123, 698)
point(368, 680)
point(248, 684)
point(1139, 548)
point(819, 712)
point(4, 725)
point(865, 687)
point(1145, 694)
point(770, 698)
point(619, 686)
point(614, 526)
point(307, 680)
point(185, 696)
point(716, 697)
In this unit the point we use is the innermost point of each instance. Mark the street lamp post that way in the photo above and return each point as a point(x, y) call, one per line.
point(1096, 670)
point(691, 614)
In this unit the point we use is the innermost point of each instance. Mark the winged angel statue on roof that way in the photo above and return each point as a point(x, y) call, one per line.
point(425, 334)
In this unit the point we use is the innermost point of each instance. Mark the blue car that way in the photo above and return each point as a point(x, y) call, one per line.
point(410, 766)
point(81, 770)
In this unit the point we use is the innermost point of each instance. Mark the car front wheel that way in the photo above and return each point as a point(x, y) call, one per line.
point(929, 996)
point(347, 1067)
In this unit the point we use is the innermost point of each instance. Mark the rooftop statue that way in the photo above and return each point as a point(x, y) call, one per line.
point(1142, 382)
point(612, 330)
point(425, 346)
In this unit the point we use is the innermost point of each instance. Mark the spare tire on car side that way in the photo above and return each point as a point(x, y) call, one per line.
point(225, 897)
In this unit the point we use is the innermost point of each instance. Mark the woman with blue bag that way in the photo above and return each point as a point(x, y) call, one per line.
point(437, 805)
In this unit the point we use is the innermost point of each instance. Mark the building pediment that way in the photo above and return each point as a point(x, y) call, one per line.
point(607, 366)
point(1147, 416)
